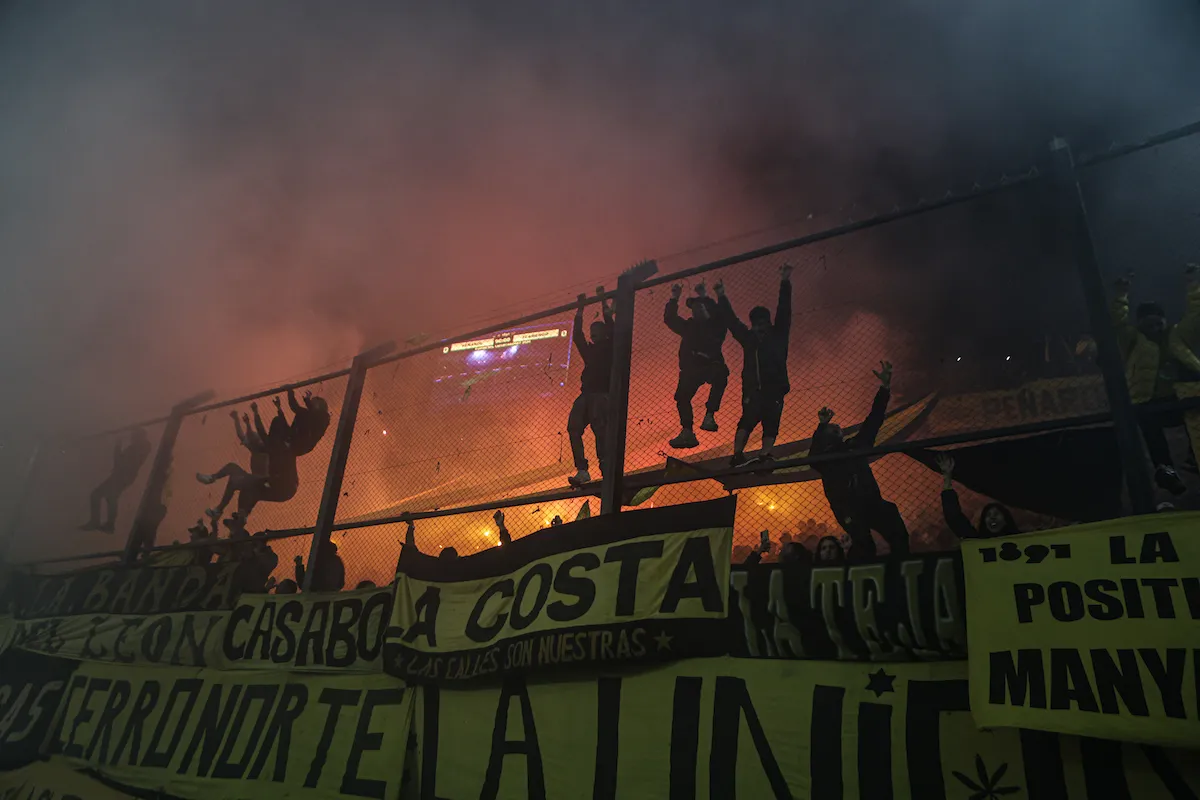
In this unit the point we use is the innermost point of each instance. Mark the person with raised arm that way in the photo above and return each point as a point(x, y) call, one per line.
point(994, 520)
point(701, 361)
point(849, 483)
point(764, 366)
point(590, 408)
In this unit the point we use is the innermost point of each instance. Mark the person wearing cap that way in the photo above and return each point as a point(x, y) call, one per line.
point(1157, 356)
point(764, 366)
point(701, 360)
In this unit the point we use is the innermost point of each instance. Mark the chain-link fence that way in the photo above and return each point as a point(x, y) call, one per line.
point(83, 495)
point(974, 301)
point(211, 443)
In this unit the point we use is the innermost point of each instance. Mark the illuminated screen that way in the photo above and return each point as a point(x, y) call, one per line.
point(518, 363)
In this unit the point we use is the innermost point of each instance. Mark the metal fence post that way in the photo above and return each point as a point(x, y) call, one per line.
point(341, 453)
point(18, 510)
point(151, 510)
point(618, 385)
point(1112, 365)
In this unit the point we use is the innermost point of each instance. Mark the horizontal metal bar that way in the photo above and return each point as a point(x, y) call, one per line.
point(1120, 151)
point(840, 230)
point(547, 497)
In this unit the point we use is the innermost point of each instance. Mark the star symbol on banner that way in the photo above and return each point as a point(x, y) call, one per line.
point(880, 682)
point(663, 641)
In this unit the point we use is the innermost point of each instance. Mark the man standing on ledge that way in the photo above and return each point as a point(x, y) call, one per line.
point(590, 409)
point(700, 361)
point(764, 366)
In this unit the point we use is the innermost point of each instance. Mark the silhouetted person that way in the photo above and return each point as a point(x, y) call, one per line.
point(590, 409)
point(365, 585)
point(200, 533)
point(330, 575)
point(265, 559)
point(309, 422)
point(281, 481)
point(127, 463)
point(701, 361)
point(994, 520)
point(829, 552)
point(287, 586)
point(850, 485)
point(794, 553)
point(764, 366)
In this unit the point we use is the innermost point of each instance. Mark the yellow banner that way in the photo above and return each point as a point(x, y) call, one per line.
point(647, 586)
point(338, 632)
point(223, 734)
point(188, 639)
point(725, 728)
point(54, 780)
point(1091, 629)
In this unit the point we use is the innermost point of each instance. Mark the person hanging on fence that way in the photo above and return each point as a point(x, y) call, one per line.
point(764, 366)
point(310, 420)
point(850, 485)
point(281, 480)
point(700, 361)
point(127, 463)
point(1158, 358)
point(590, 409)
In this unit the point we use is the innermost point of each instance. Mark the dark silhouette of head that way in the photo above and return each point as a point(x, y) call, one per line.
point(760, 320)
point(703, 308)
point(599, 332)
point(832, 434)
point(1152, 320)
point(794, 553)
point(286, 586)
point(448, 553)
point(365, 585)
point(997, 520)
point(319, 404)
point(829, 552)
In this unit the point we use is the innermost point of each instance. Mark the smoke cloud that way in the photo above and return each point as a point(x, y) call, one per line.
point(198, 195)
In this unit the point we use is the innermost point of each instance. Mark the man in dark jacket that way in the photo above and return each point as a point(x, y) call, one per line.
point(850, 485)
point(764, 366)
point(590, 409)
point(700, 360)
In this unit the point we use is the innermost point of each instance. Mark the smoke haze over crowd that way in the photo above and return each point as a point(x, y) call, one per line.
point(198, 195)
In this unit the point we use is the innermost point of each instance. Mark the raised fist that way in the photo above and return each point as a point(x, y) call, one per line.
point(701, 289)
point(884, 373)
point(719, 288)
point(825, 415)
point(676, 291)
point(278, 403)
point(499, 517)
point(785, 272)
point(233, 413)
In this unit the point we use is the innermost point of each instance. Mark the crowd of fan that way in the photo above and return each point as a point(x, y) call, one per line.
point(1158, 355)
